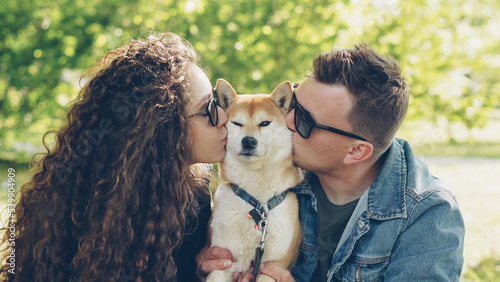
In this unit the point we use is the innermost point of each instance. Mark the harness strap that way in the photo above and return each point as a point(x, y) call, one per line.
point(259, 215)
point(259, 211)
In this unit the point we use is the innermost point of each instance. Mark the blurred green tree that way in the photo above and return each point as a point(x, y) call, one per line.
point(448, 50)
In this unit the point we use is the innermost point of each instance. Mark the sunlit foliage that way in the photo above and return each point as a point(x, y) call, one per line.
point(448, 49)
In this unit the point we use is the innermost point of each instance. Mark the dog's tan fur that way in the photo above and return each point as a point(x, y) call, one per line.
point(264, 172)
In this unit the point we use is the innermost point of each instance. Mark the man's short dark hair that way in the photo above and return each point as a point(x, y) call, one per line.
point(380, 92)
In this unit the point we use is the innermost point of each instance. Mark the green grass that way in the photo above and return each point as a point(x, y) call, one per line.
point(487, 270)
point(451, 139)
point(488, 150)
point(20, 178)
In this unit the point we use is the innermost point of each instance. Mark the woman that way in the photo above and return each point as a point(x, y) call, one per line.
point(123, 194)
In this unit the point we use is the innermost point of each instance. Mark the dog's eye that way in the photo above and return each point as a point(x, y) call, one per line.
point(264, 123)
point(237, 123)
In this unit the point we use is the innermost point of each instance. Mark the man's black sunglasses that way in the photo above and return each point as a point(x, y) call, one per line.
point(304, 123)
point(211, 110)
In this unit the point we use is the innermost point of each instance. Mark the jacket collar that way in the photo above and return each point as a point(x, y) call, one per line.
point(386, 195)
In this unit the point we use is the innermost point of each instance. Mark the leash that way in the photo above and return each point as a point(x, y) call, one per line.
point(259, 251)
point(259, 215)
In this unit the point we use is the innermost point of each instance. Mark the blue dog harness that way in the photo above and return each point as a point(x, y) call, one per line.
point(258, 213)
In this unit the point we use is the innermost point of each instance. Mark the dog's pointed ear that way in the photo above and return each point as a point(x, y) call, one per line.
point(225, 93)
point(283, 95)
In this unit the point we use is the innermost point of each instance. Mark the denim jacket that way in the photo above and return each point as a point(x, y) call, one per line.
point(406, 227)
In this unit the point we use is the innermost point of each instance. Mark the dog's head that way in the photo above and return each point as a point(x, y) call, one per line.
point(257, 130)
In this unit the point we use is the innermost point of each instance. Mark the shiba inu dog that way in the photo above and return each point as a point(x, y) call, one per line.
point(255, 211)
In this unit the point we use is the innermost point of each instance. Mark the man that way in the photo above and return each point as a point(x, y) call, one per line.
point(369, 209)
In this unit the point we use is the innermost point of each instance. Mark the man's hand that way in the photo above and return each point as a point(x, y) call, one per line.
point(270, 269)
point(213, 258)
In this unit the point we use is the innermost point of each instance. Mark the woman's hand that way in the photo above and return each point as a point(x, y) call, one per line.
point(213, 258)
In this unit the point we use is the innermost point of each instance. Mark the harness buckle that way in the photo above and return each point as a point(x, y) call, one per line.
point(263, 227)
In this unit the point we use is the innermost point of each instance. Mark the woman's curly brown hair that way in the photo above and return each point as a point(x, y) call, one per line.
point(114, 192)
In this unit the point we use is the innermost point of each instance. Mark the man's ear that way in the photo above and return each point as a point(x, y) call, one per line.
point(282, 95)
point(225, 93)
point(359, 152)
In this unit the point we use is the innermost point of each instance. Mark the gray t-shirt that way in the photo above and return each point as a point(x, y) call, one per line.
point(332, 220)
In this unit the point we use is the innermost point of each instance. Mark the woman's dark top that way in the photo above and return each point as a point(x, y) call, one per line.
point(194, 240)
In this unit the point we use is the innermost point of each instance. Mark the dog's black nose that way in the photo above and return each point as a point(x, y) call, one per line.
point(249, 143)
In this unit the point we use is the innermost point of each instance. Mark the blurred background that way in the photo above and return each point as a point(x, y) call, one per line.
point(448, 49)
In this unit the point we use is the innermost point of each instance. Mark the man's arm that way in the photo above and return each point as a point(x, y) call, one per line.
point(431, 245)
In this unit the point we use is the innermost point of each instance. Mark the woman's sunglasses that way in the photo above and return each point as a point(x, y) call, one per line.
point(211, 111)
point(304, 123)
